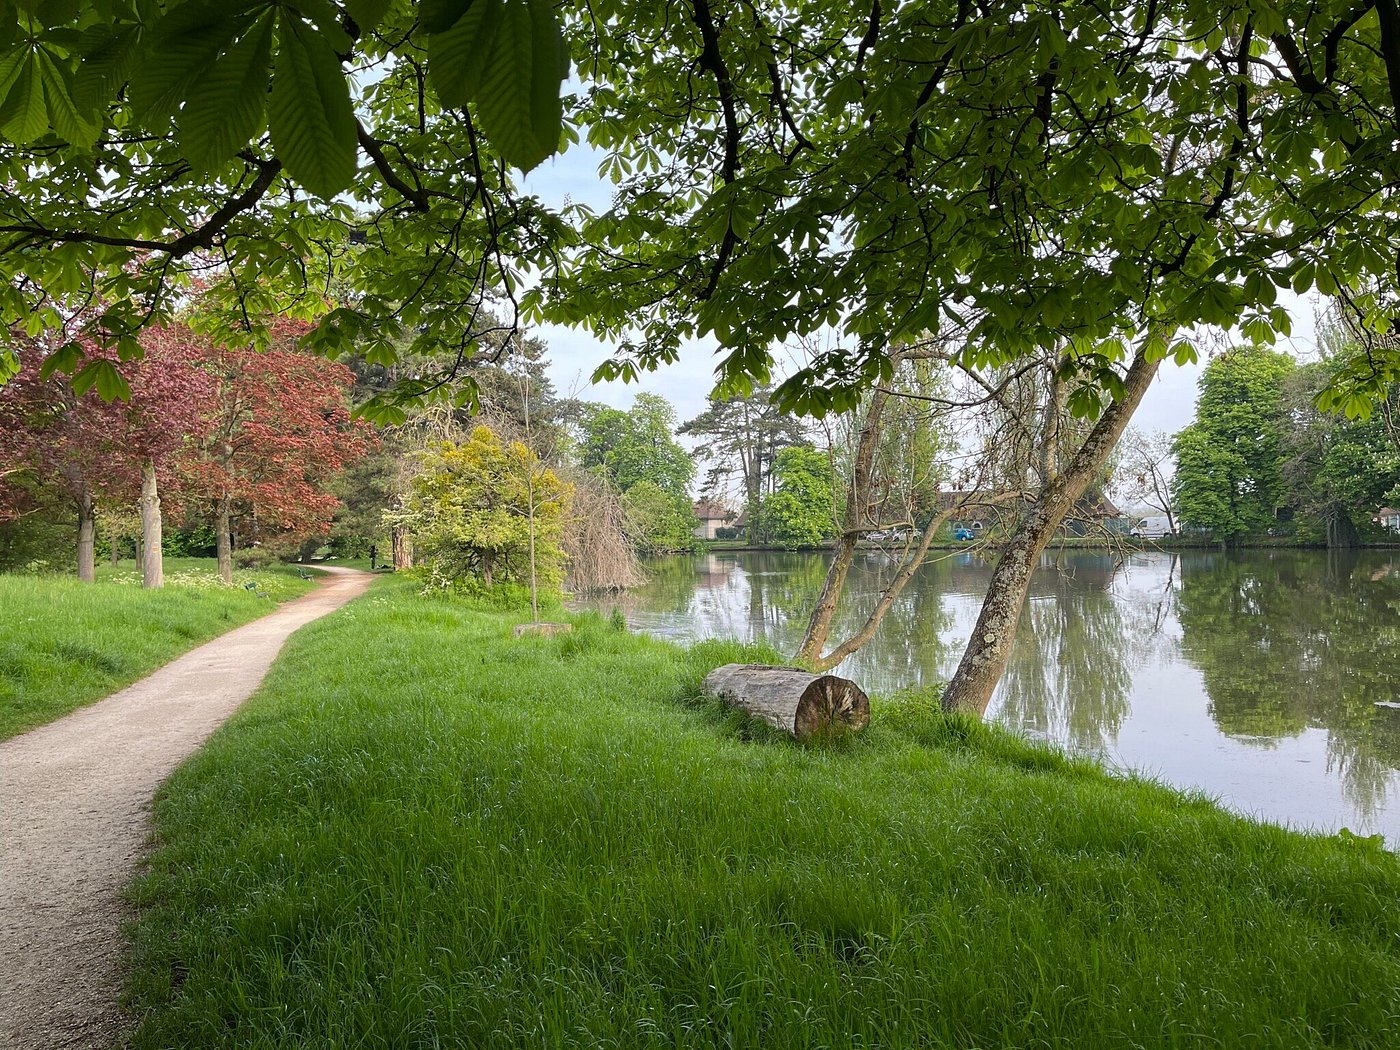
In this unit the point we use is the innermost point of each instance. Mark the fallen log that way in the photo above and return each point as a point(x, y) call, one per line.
point(796, 701)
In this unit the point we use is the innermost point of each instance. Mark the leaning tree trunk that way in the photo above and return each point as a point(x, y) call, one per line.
point(87, 539)
point(857, 497)
point(223, 539)
point(152, 568)
point(797, 702)
point(989, 648)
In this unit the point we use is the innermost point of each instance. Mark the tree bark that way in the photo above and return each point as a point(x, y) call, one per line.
point(87, 539)
point(913, 559)
point(152, 566)
point(989, 648)
point(857, 496)
point(223, 539)
point(797, 702)
point(402, 543)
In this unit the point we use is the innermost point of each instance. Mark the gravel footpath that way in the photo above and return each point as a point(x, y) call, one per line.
point(75, 800)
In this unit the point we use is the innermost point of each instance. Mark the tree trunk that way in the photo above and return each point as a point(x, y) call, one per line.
point(87, 539)
point(971, 687)
point(819, 626)
point(152, 568)
point(1340, 531)
point(534, 592)
point(857, 497)
point(798, 703)
point(223, 539)
point(402, 543)
point(115, 553)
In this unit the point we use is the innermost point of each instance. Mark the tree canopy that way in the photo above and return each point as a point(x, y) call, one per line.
point(801, 512)
point(636, 445)
point(482, 508)
point(1081, 175)
point(1229, 475)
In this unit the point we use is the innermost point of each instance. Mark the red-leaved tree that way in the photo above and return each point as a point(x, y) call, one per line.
point(276, 428)
point(88, 449)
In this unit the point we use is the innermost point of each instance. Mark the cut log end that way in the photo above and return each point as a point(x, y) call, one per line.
point(798, 702)
point(831, 704)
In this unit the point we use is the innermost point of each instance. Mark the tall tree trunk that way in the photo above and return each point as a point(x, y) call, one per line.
point(115, 553)
point(223, 539)
point(152, 567)
point(87, 539)
point(753, 495)
point(989, 648)
point(402, 543)
point(857, 497)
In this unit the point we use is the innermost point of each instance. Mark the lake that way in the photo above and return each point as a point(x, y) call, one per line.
point(1253, 676)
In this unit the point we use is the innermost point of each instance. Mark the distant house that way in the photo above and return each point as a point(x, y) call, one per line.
point(711, 516)
point(1388, 518)
point(1096, 516)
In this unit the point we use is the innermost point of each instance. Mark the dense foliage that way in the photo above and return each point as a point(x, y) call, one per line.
point(1262, 458)
point(636, 451)
point(1339, 471)
point(801, 512)
point(238, 439)
point(1229, 477)
point(488, 511)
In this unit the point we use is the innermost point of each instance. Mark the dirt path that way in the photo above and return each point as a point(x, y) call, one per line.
point(74, 815)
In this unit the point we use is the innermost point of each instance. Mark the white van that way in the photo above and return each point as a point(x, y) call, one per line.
point(1152, 528)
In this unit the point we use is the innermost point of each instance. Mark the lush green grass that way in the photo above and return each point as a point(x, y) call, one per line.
point(64, 643)
point(424, 833)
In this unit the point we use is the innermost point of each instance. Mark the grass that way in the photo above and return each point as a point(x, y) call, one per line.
point(423, 833)
point(64, 644)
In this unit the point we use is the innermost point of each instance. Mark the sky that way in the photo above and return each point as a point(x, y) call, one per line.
point(574, 353)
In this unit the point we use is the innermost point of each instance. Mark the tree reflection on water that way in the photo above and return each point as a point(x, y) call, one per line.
point(1289, 640)
point(1265, 646)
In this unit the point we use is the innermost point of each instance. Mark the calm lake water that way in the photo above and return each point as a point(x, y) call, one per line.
point(1253, 676)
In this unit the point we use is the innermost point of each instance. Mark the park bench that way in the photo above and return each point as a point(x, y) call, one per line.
point(251, 586)
point(305, 575)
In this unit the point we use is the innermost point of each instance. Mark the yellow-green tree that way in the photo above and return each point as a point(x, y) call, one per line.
point(481, 508)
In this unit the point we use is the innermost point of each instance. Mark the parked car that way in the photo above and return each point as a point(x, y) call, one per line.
point(963, 534)
point(1152, 528)
point(888, 535)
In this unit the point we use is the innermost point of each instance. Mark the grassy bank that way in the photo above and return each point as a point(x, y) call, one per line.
point(424, 833)
point(64, 643)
